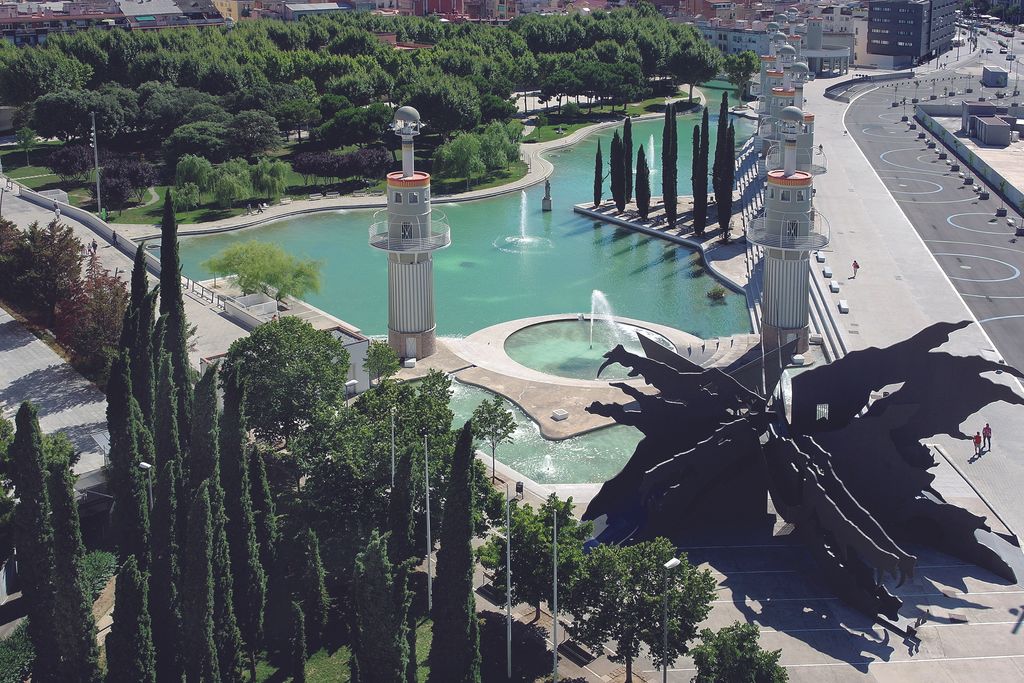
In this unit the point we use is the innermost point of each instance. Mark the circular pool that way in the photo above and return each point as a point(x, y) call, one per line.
point(576, 348)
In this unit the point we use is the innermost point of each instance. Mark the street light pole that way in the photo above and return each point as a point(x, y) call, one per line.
point(669, 566)
point(554, 602)
point(392, 450)
point(96, 162)
point(508, 581)
point(430, 545)
point(148, 469)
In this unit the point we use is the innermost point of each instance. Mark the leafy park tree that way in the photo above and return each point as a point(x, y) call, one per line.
point(291, 370)
point(33, 536)
point(267, 268)
point(89, 322)
point(494, 424)
point(175, 327)
point(26, 139)
point(53, 273)
point(462, 157)
point(643, 184)
point(312, 591)
point(669, 188)
point(381, 360)
point(202, 138)
point(228, 185)
point(130, 445)
point(598, 175)
point(698, 186)
point(199, 647)
point(73, 619)
point(694, 62)
point(186, 197)
point(28, 74)
point(130, 655)
point(627, 158)
point(739, 68)
point(455, 649)
point(619, 601)
point(381, 606)
point(617, 173)
point(732, 654)
point(253, 132)
point(532, 569)
point(250, 581)
point(297, 659)
point(70, 163)
point(728, 172)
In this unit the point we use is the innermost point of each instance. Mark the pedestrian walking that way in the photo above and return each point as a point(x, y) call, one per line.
point(977, 443)
point(986, 434)
point(856, 267)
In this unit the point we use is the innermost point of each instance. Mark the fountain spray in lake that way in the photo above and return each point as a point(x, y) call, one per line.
point(650, 155)
point(522, 216)
point(601, 311)
point(523, 241)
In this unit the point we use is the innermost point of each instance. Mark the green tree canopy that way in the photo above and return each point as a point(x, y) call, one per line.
point(290, 370)
point(494, 424)
point(733, 654)
point(740, 67)
point(267, 268)
point(381, 360)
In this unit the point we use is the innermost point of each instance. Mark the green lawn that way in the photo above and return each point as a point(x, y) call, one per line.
point(598, 114)
point(334, 667)
point(515, 171)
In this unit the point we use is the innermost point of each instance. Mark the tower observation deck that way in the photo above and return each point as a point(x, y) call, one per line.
point(409, 233)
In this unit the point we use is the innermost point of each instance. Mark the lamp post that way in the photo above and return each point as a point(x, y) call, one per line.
point(508, 573)
point(554, 602)
point(148, 469)
point(669, 566)
point(96, 162)
point(392, 448)
point(426, 481)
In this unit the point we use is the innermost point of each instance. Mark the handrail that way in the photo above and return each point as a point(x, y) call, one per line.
point(760, 231)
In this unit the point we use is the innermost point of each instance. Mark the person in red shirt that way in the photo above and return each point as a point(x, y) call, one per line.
point(986, 434)
point(977, 443)
point(856, 267)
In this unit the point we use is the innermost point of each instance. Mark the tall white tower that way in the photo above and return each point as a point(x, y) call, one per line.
point(788, 230)
point(409, 234)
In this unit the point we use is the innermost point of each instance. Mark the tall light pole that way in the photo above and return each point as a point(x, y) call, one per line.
point(669, 566)
point(554, 602)
point(508, 574)
point(96, 163)
point(392, 449)
point(430, 545)
point(148, 469)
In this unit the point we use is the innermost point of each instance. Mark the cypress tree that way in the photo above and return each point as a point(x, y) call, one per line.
point(455, 649)
point(200, 649)
point(702, 170)
point(669, 156)
point(718, 170)
point(400, 548)
point(130, 445)
point(298, 645)
point(264, 514)
point(175, 328)
point(130, 657)
point(698, 186)
point(168, 531)
point(250, 581)
point(137, 335)
point(33, 536)
point(643, 184)
point(204, 466)
point(728, 178)
point(381, 606)
point(598, 175)
point(627, 158)
point(312, 591)
point(73, 620)
point(618, 181)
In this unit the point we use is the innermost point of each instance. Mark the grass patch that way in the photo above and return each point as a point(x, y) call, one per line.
point(558, 128)
point(514, 172)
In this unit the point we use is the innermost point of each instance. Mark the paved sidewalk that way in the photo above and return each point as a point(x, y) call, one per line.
point(214, 332)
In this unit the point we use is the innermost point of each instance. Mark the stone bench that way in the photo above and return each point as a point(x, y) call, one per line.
point(827, 272)
point(833, 286)
point(844, 306)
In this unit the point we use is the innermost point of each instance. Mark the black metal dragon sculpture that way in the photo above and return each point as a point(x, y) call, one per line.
point(842, 458)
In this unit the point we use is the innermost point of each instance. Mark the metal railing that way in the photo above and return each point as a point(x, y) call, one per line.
point(424, 235)
point(816, 165)
point(204, 292)
point(779, 232)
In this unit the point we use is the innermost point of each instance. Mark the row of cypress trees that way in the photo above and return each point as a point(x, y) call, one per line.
point(724, 171)
point(669, 162)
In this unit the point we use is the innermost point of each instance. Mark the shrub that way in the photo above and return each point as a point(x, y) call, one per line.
point(16, 655)
point(541, 120)
point(717, 293)
point(98, 567)
point(571, 110)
